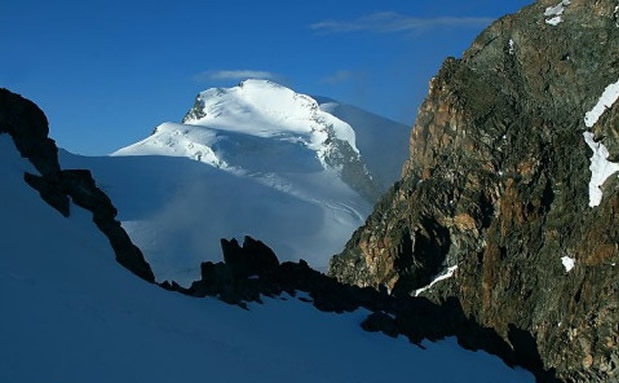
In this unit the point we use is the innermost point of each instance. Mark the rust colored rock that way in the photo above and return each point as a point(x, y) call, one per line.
point(498, 161)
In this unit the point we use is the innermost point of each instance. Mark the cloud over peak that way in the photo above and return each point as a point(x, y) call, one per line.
point(339, 76)
point(238, 74)
point(391, 22)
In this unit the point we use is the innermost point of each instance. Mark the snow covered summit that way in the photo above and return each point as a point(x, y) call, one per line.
point(256, 128)
point(256, 159)
point(267, 109)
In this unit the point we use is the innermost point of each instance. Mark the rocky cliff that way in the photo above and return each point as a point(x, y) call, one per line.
point(28, 126)
point(509, 200)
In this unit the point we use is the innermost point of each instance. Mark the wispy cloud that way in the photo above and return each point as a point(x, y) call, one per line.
point(339, 76)
point(223, 75)
point(392, 22)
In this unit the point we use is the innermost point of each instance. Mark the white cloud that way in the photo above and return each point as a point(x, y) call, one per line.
point(390, 22)
point(242, 74)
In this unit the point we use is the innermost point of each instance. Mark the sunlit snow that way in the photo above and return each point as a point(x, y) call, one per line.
point(554, 20)
point(568, 263)
point(554, 13)
point(606, 101)
point(267, 109)
point(601, 169)
point(448, 274)
point(266, 148)
point(268, 177)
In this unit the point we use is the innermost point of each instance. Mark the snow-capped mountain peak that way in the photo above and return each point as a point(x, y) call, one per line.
point(282, 166)
point(267, 109)
point(255, 127)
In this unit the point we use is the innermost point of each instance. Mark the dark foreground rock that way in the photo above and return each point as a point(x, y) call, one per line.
point(497, 186)
point(28, 127)
point(255, 272)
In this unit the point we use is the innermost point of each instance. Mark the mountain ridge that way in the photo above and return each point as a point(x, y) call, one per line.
point(73, 312)
point(264, 108)
point(495, 204)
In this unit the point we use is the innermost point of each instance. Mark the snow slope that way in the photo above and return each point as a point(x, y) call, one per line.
point(70, 314)
point(256, 109)
point(176, 209)
point(280, 167)
point(338, 135)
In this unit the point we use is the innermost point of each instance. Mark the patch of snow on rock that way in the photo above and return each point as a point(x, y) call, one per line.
point(568, 263)
point(606, 101)
point(600, 168)
point(511, 46)
point(554, 21)
point(448, 274)
point(554, 13)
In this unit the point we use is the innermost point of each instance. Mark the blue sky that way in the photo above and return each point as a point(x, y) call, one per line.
point(106, 73)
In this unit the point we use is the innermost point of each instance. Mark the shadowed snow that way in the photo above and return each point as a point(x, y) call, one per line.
point(71, 314)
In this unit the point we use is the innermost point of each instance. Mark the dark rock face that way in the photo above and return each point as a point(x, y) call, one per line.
point(354, 172)
point(254, 272)
point(253, 259)
point(196, 112)
point(497, 185)
point(28, 127)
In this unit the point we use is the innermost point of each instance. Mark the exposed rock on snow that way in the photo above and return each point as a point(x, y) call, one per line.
point(416, 318)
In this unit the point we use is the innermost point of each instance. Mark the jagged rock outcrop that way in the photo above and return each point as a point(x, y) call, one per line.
point(498, 205)
point(252, 271)
point(261, 261)
point(28, 127)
